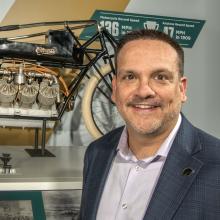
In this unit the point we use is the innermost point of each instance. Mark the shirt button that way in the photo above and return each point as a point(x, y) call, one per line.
point(137, 168)
point(124, 206)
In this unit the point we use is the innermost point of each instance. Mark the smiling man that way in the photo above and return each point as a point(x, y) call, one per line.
point(158, 166)
point(148, 92)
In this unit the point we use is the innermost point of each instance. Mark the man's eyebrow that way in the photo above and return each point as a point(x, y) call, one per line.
point(159, 70)
point(153, 72)
point(125, 71)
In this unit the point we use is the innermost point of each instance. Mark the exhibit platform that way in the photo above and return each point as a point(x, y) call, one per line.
point(61, 172)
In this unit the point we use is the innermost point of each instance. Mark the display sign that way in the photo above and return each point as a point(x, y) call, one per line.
point(184, 31)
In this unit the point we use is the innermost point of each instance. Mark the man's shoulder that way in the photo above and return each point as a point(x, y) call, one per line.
point(210, 146)
point(109, 140)
point(203, 136)
point(208, 139)
point(198, 142)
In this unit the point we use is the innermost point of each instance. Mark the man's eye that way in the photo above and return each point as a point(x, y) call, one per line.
point(160, 77)
point(129, 77)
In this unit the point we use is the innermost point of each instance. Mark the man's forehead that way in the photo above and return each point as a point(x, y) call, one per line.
point(147, 48)
point(152, 49)
point(150, 43)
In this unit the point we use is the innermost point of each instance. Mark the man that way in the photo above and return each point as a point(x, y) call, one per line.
point(159, 166)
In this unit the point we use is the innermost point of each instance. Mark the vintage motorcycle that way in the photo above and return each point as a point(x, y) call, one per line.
point(43, 65)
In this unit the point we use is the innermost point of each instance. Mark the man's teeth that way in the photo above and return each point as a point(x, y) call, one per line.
point(144, 106)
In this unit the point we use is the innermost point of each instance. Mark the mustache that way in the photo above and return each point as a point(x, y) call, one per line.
point(146, 101)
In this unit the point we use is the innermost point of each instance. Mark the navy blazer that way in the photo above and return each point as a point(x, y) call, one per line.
point(188, 187)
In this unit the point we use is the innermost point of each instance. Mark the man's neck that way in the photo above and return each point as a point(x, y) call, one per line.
point(146, 145)
point(143, 147)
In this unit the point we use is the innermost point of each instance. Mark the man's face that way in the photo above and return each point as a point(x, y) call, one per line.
point(148, 90)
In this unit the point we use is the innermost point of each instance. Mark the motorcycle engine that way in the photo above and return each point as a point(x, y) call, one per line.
point(27, 90)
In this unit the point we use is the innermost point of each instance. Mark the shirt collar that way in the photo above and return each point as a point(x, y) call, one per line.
point(126, 154)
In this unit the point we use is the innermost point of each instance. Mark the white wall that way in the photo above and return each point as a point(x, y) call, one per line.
point(5, 5)
point(202, 62)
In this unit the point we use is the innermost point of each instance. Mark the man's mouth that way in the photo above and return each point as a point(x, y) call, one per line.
point(150, 104)
point(144, 106)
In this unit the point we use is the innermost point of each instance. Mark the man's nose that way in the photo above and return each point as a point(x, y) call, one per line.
point(144, 89)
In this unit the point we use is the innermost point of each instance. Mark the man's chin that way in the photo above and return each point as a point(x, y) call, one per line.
point(146, 128)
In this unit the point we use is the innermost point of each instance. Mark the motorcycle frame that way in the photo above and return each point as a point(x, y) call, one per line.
point(101, 35)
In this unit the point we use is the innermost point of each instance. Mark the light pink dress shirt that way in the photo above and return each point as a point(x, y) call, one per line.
point(131, 182)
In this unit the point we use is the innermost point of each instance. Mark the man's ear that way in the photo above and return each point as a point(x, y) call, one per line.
point(183, 88)
point(113, 88)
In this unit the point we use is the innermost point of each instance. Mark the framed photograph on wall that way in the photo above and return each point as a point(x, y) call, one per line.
point(62, 204)
point(26, 205)
point(40, 205)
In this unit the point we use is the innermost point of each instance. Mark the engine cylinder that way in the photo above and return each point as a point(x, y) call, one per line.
point(8, 92)
point(47, 94)
point(28, 94)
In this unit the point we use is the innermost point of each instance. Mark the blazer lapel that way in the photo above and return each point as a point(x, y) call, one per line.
point(179, 172)
point(101, 165)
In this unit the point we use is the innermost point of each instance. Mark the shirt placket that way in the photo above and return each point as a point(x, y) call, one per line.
point(125, 205)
